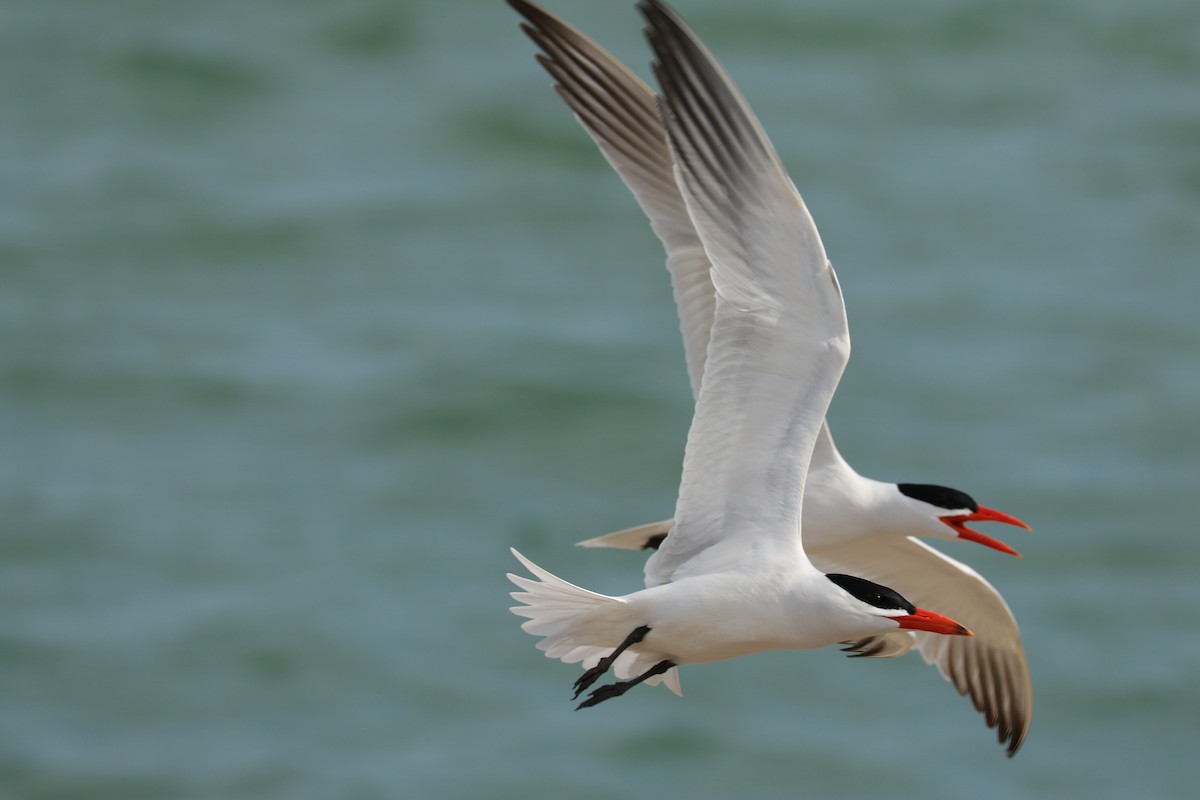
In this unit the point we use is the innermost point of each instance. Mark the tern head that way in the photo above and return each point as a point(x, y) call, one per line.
point(946, 511)
point(880, 601)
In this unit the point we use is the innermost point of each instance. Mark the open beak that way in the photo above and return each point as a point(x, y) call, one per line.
point(922, 620)
point(958, 523)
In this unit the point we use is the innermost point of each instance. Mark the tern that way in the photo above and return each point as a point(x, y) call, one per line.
point(850, 522)
point(732, 578)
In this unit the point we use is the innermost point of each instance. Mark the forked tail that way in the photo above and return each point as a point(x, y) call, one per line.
point(577, 625)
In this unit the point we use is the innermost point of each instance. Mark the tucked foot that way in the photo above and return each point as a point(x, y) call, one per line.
point(606, 692)
point(619, 688)
point(590, 676)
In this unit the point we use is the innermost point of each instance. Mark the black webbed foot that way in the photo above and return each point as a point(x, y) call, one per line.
point(590, 676)
point(605, 692)
point(611, 690)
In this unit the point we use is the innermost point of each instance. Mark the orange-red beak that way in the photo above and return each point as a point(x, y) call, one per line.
point(922, 620)
point(958, 523)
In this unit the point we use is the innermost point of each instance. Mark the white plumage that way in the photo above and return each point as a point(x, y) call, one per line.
point(851, 523)
point(733, 577)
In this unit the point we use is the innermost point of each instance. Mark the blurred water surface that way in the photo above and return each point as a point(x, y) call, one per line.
point(310, 310)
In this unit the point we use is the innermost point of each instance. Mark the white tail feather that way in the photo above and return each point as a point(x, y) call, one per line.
point(581, 626)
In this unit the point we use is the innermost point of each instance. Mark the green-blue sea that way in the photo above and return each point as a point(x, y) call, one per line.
point(310, 310)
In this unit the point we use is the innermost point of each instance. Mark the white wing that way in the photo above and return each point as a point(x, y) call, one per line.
point(779, 339)
point(989, 666)
point(621, 114)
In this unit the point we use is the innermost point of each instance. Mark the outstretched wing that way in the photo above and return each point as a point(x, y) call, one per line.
point(779, 338)
point(621, 114)
point(989, 666)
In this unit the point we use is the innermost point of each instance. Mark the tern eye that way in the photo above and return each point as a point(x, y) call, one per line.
point(940, 496)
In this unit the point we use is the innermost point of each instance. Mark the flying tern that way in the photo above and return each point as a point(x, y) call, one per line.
point(732, 578)
point(850, 522)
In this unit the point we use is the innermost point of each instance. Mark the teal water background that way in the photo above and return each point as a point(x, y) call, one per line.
point(310, 310)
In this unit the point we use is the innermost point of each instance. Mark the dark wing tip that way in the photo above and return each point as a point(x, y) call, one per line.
point(993, 686)
point(525, 8)
point(869, 647)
